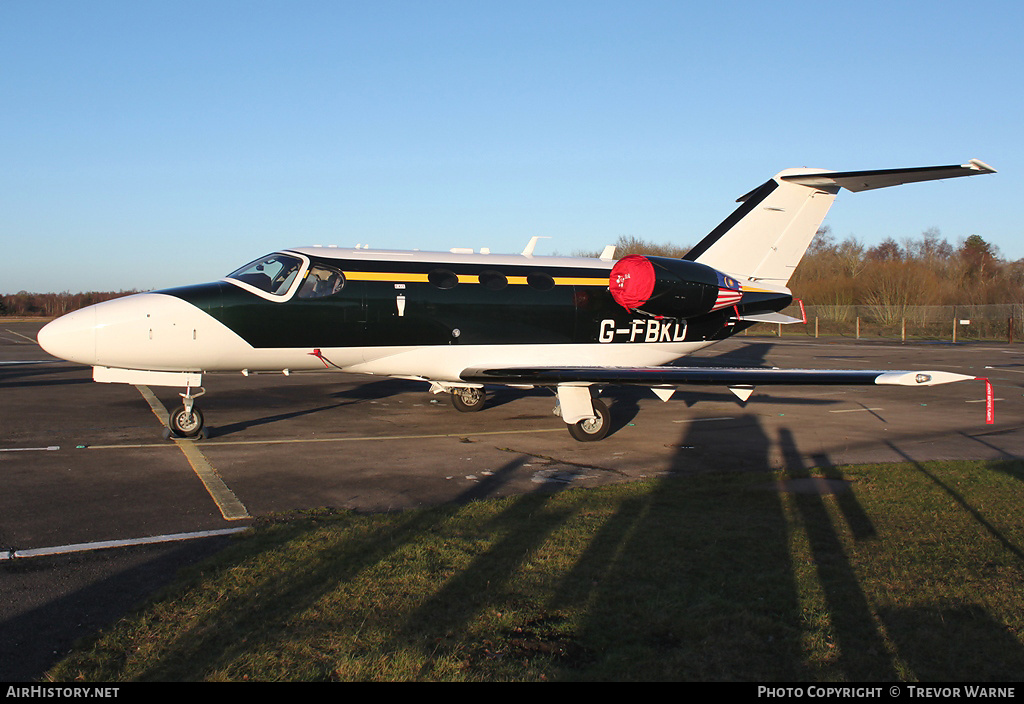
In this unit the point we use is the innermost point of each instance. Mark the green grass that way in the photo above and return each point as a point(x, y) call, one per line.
point(917, 573)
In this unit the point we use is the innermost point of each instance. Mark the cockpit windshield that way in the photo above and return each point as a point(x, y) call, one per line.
point(273, 274)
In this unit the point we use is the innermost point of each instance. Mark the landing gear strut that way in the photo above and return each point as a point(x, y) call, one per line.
point(187, 421)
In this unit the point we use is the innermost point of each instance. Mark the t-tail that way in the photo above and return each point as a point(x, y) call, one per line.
point(767, 235)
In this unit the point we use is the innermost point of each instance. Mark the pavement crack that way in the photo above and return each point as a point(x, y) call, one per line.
point(570, 463)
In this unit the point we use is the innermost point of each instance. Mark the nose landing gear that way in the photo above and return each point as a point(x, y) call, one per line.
point(187, 421)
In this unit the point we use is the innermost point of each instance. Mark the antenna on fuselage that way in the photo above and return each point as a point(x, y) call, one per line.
point(528, 252)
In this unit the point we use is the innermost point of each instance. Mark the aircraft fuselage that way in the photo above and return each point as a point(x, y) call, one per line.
point(429, 315)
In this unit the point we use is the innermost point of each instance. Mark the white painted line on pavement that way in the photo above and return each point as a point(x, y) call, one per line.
point(50, 448)
point(104, 544)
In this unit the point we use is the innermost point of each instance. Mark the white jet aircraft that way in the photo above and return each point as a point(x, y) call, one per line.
point(460, 320)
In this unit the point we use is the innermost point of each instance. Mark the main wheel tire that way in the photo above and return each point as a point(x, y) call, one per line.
point(187, 424)
point(468, 400)
point(595, 428)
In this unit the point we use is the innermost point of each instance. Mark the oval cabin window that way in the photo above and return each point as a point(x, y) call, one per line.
point(443, 278)
point(540, 281)
point(493, 280)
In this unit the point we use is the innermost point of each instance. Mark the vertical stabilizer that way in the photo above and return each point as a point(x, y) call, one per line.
point(767, 235)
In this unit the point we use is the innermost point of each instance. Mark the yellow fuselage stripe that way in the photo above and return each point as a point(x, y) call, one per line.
point(409, 278)
point(466, 278)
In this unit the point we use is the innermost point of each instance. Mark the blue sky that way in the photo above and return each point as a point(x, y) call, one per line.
point(149, 144)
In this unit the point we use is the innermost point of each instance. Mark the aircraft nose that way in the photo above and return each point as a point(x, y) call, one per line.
point(71, 337)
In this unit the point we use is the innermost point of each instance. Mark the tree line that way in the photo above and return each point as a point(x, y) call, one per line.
point(927, 270)
point(921, 271)
point(51, 305)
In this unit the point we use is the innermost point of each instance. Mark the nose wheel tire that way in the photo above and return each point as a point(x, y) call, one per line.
point(468, 400)
point(187, 423)
point(594, 428)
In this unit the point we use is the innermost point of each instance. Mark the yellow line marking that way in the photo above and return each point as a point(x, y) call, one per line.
point(154, 404)
point(225, 443)
point(703, 420)
point(230, 507)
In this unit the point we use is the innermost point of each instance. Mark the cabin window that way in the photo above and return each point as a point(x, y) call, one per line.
point(493, 280)
point(273, 274)
point(540, 281)
point(321, 281)
point(443, 278)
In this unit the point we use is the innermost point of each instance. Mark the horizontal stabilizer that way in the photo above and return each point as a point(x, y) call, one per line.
point(867, 180)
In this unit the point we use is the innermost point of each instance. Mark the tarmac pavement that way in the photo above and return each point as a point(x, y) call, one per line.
point(84, 463)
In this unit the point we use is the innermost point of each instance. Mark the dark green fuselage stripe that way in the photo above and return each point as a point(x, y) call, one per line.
point(369, 314)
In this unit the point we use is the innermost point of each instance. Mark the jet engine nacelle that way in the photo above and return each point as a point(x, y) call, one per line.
point(675, 288)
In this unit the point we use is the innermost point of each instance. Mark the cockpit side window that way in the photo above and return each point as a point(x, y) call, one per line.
point(273, 274)
point(321, 281)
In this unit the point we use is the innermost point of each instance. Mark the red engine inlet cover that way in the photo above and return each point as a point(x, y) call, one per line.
point(632, 281)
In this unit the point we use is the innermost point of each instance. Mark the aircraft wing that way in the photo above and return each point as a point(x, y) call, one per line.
point(738, 376)
point(739, 380)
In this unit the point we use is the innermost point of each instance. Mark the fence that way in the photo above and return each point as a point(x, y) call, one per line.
point(960, 323)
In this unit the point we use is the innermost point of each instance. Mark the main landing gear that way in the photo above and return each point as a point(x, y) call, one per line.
point(468, 399)
point(592, 429)
point(586, 418)
point(187, 421)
